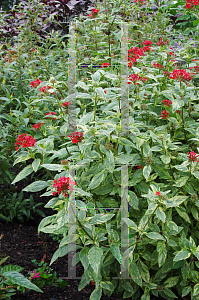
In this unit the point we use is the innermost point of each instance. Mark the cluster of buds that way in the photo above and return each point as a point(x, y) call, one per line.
point(157, 65)
point(76, 137)
point(164, 114)
point(51, 114)
point(161, 42)
point(149, 160)
point(108, 146)
point(135, 78)
point(45, 89)
point(167, 102)
point(37, 126)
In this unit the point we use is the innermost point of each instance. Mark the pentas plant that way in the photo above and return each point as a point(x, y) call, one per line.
point(25, 141)
point(158, 157)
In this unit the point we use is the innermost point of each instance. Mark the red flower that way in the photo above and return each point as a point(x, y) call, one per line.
point(178, 111)
point(93, 282)
point(37, 126)
point(164, 114)
point(76, 137)
point(44, 89)
point(192, 156)
point(51, 113)
point(146, 43)
point(139, 167)
point(94, 13)
point(105, 65)
point(66, 103)
point(156, 65)
point(161, 42)
point(105, 92)
point(35, 83)
point(25, 141)
point(191, 3)
point(167, 102)
point(63, 184)
point(157, 193)
point(135, 77)
point(146, 48)
point(180, 74)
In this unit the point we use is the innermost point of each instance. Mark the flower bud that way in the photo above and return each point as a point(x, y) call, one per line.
point(52, 80)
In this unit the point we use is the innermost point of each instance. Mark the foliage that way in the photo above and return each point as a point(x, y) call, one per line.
point(10, 278)
point(44, 276)
point(14, 206)
point(159, 151)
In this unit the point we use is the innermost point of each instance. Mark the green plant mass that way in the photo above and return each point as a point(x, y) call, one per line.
point(102, 117)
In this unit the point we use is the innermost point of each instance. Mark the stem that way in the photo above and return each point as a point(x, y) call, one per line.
point(185, 135)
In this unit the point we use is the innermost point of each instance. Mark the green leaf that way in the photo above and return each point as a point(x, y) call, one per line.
point(196, 174)
point(155, 236)
point(160, 214)
point(194, 212)
point(97, 179)
point(115, 250)
point(133, 200)
point(24, 173)
point(107, 285)
point(8, 268)
point(96, 76)
point(196, 289)
point(169, 293)
point(101, 218)
point(36, 186)
point(146, 171)
point(186, 291)
point(172, 281)
point(128, 287)
point(96, 294)
point(53, 167)
point(162, 253)
point(135, 274)
point(94, 256)
point(35, 164)
point(175, 201)
point(183, 214)
point(185, 270)
point(183, 254)
point(144, 272)
point(130, 223)
point(83, 255)
point(165, 159)
point(181, 181)
point(19, 279)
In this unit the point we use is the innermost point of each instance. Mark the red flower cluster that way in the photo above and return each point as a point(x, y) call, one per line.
point(146, 48)
point(146, 43)
point(191, 3)
point(44, 89)
point(51, 113)
point(135, 54)
point(25, 140)
point(105, 65)
point(76, 137)
point(94, 13)
point(161, 42)
point(167, 102)
point(140, 1)
point(196, 69)
point(180, 74)
point(35, 83)
point(66, 104)
point(164, 114)
point(192, 156)
point(135, 77)
point(156, 65)
point(37, 126)
point(166, 73)
point(62, 185)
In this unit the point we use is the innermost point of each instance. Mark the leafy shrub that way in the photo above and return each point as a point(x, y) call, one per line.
point(156, 159)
